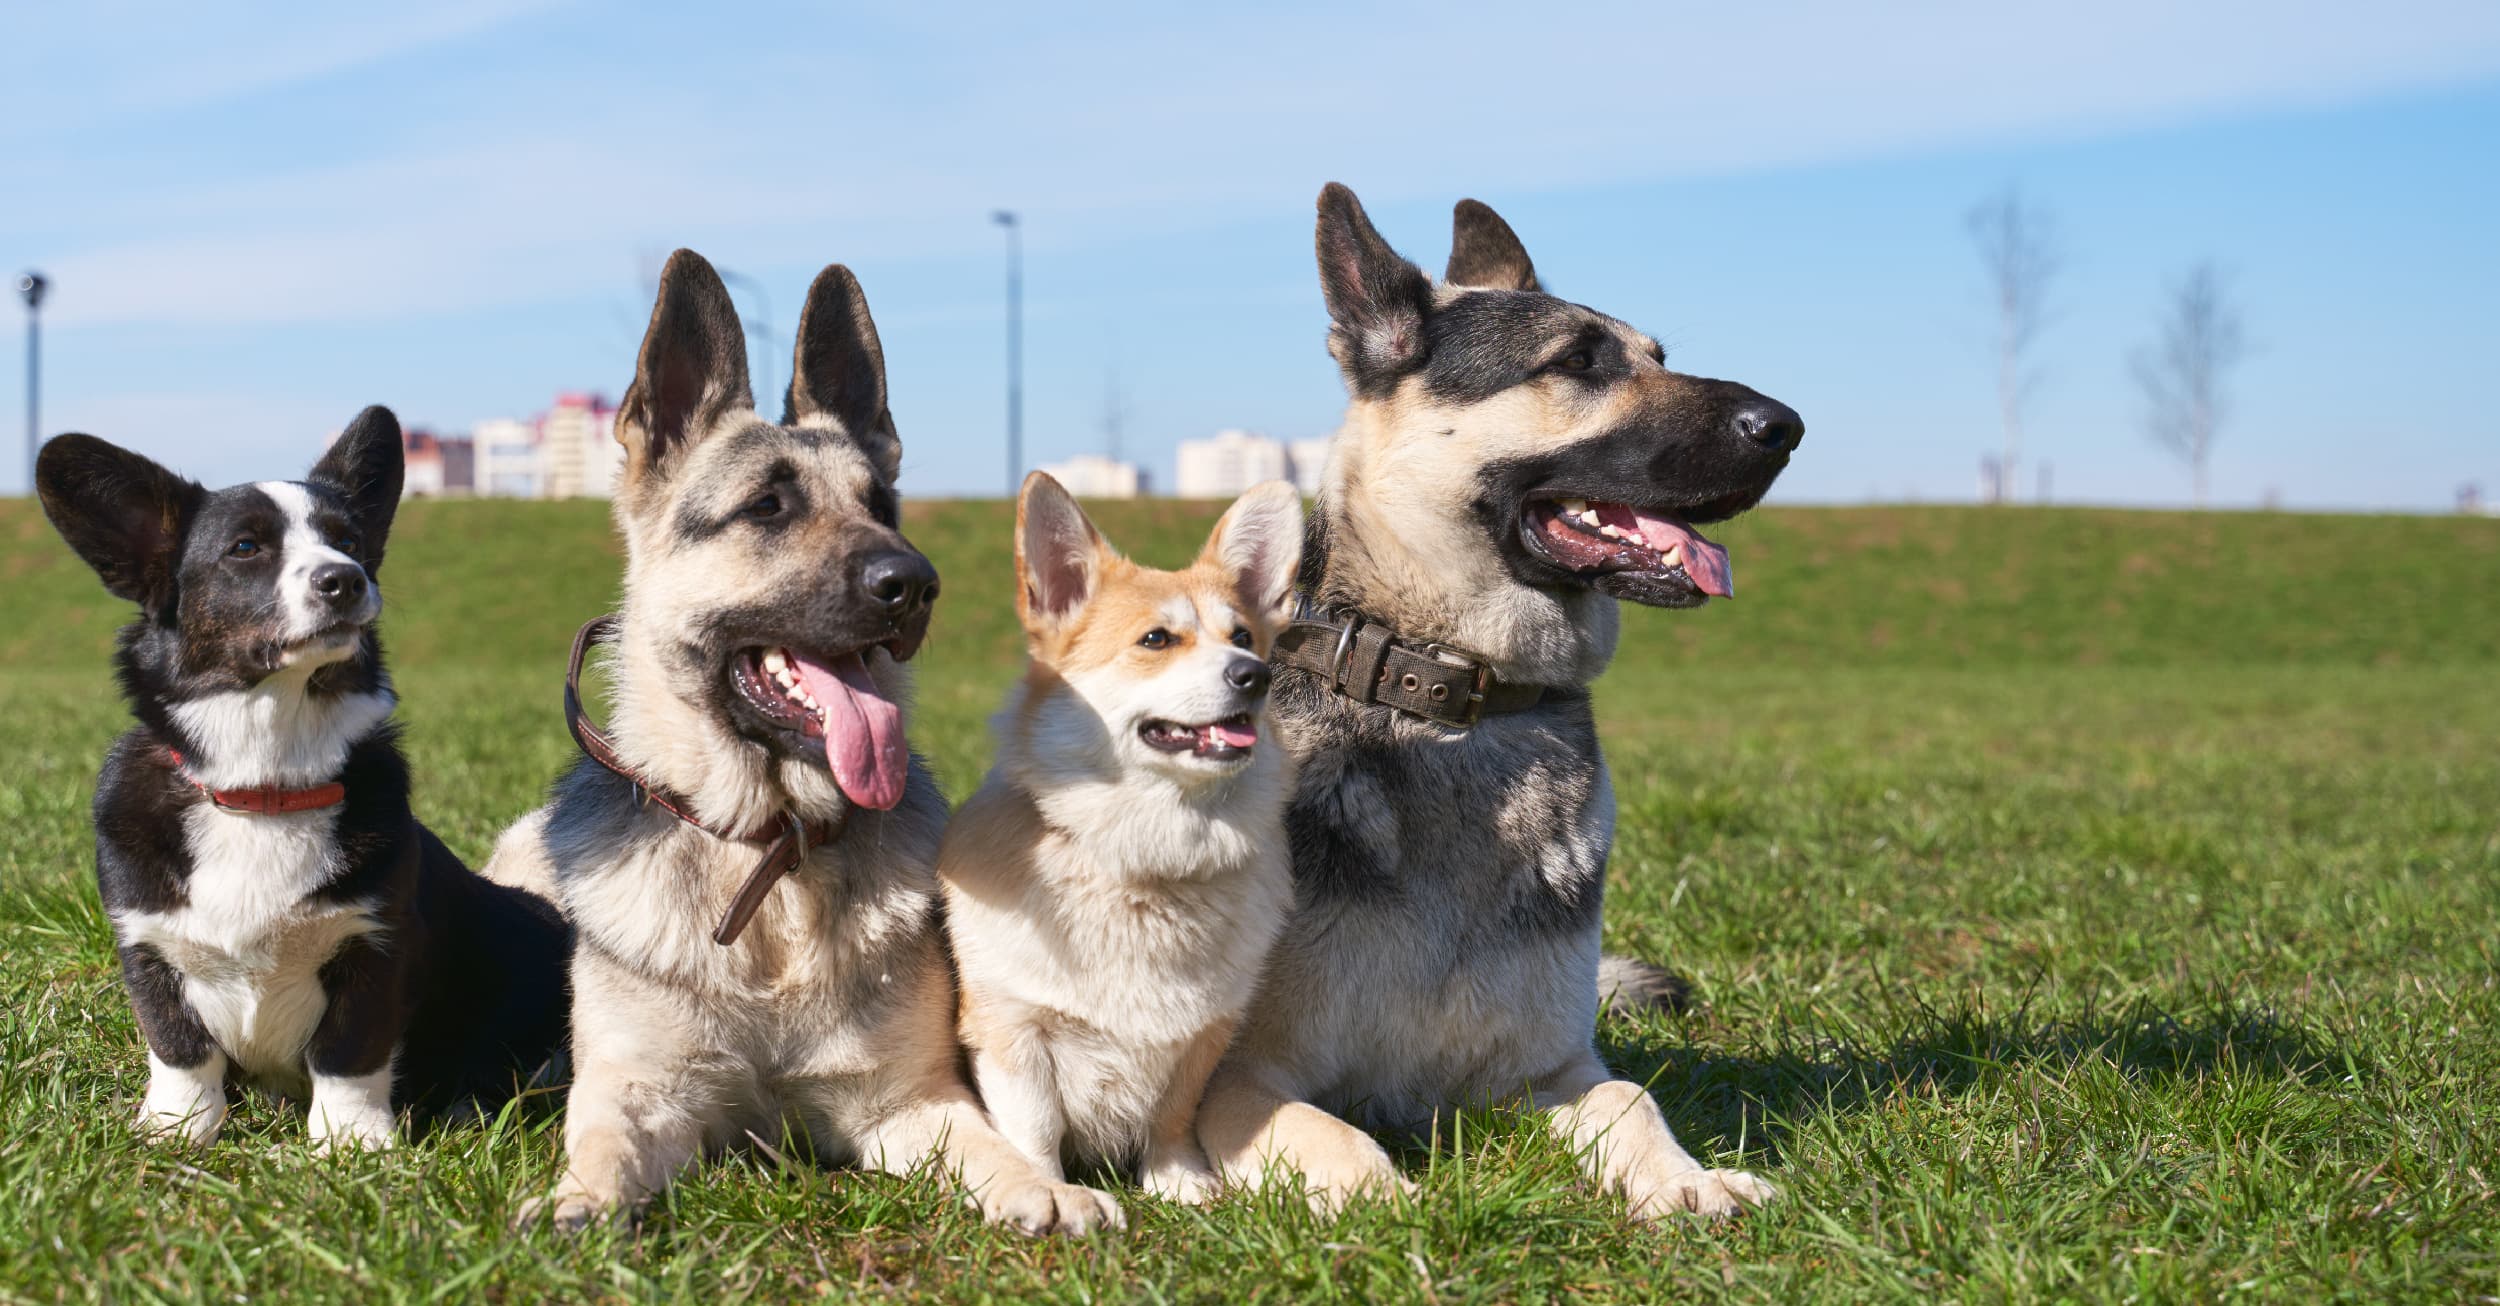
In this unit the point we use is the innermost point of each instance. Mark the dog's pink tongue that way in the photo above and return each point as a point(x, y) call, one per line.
point(863, 731)
point(1236, 736)
point(1704, 561)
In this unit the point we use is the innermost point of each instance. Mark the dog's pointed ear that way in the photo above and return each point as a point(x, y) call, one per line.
point(692, 371)
point(838, 374)
point(1059, 554)
point(366, 466)
point(1260, 542)
point(1377, 301)
point(121, 512)
point(1485, 253)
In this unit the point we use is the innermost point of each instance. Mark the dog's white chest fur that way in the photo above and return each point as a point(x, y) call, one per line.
point(1140, 924)
point(247, 942)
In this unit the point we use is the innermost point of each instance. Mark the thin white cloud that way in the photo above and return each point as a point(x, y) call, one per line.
point(897, 132)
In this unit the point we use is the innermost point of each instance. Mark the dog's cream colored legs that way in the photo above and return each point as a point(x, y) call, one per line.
point(623, 1138)
point(1252, 1132)
point(1175, 1168)
point(944, 1123)
point(1014, 1076)
point(1624, 1144)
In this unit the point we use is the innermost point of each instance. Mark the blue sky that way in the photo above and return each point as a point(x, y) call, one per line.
point(258, 225)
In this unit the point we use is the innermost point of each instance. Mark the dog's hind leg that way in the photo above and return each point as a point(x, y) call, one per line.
point(520, 859)
point(1254, 1135)
point(1624, 1144)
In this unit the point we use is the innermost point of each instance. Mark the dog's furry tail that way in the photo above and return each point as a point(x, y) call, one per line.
point(1629, 986)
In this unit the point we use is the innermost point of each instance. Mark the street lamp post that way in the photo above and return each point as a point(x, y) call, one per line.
point(31, 287)
point(1015, 348)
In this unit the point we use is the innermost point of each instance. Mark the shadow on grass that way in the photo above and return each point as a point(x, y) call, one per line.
point(1716, 1101)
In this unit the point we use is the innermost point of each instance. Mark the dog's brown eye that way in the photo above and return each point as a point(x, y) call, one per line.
point(763, 507)
point(243, 548)
point(1157, 638)
point(345, 544)
point(1241, 637)
point(1578, 360)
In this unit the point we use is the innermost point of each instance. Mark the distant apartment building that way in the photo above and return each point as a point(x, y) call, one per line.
point(577, 448)
point(437, 465)
point(1092, 476)
point(1229, 462)
point(1310, 463)
point(508, 461)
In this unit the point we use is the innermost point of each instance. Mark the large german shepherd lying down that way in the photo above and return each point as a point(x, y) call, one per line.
point(1512, 466)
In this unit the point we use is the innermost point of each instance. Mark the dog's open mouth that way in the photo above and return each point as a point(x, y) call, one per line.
point(1228, 740)
point(830, 705)
point(1655, 558)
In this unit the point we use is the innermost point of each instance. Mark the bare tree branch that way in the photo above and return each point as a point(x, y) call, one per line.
point(2018, 250)
point(2182, 374)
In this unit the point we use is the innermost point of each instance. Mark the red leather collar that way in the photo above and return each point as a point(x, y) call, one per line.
point(264, 800)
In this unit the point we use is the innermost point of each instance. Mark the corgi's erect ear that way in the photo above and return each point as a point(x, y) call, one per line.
point(692, 371)
point(1377, 301)
point(120, 512)
point(1058, 553)
point(1260, 542)
point(1485, 252)
point(366, 467)
point(839, 371)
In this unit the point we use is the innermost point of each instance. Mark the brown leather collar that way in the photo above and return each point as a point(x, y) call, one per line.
point(1366, 661)
point(263, 800)
point(787, 840)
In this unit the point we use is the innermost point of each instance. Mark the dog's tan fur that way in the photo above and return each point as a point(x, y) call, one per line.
point(1109, 907)
point(832, 1015)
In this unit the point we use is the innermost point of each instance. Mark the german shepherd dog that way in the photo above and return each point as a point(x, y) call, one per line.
point(282, 917)
point(1512, 465)
point(757, 687)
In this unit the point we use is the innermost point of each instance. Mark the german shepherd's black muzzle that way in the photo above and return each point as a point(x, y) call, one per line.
point(1615, 511)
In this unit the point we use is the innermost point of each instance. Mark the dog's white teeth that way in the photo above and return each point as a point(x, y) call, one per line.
point(1576, 507)
point(1673, 557)
point(1593, 521)
point(775, 663)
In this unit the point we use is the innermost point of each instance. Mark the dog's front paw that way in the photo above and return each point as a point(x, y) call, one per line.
point(1374, 1176)
point(1711, 1194)
point(569, 1213)
point(189, 1126)
point(358, 1132)
point(1044, 1207)
point(1179, 1181)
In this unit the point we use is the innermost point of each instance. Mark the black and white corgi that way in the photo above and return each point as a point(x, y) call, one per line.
point(282, 918)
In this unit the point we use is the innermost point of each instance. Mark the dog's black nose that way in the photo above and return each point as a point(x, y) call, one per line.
point(339, 583)
point(1249, 675)
point(900, 583)
point(1769, 423)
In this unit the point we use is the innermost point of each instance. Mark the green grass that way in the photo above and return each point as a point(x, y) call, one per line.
point(2082, 905)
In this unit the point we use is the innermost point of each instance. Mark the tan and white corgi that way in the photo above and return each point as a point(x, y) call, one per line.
point(1113, 888)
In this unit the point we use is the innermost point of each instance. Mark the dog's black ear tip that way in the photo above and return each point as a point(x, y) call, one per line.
point(377, 419)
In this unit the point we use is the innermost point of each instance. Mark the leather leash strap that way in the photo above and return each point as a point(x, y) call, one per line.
point(1367, 662)
point(263, 800)
point(790, 838)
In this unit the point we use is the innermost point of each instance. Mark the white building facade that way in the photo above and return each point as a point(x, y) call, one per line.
point(1092, 476)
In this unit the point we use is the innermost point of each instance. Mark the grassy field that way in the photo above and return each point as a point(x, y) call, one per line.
point(2081, 905)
